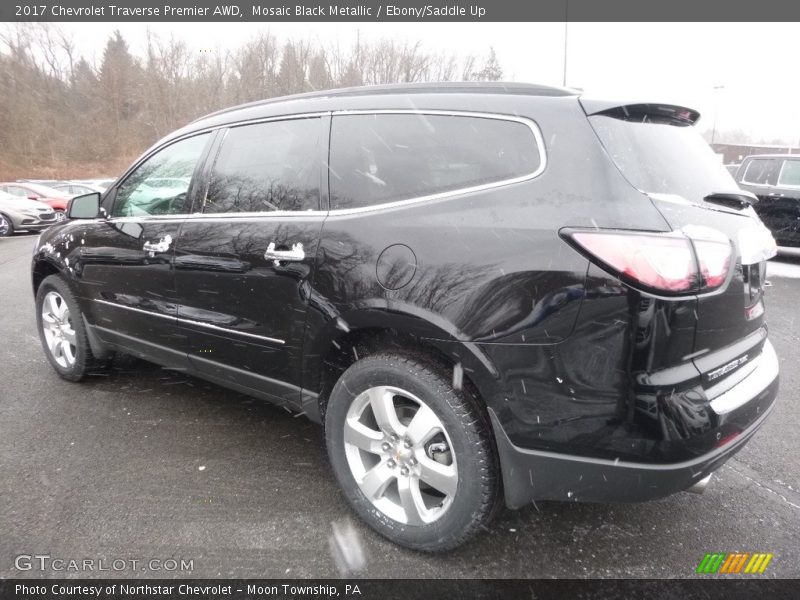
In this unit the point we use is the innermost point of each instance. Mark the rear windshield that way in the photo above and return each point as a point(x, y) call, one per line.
point(665, 156)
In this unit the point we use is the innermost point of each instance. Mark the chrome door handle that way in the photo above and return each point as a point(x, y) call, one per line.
point(276, 256)
point(161, 245)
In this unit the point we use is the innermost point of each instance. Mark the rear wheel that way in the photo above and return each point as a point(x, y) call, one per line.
point(62, 331)
point(414, 456)
point(6, 226)
point(60, 215)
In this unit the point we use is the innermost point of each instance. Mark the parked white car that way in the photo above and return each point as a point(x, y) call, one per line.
point(20, 213)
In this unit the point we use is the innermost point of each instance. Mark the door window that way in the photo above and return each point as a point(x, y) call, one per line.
point(160, 185)
point(760, 171)
point(265, 167)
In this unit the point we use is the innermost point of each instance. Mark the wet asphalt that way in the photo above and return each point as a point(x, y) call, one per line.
point(147, 463)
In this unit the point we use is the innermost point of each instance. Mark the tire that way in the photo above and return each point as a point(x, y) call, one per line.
point(60, 215)
point(6, 226)
point(63, 321)
point(415, 502)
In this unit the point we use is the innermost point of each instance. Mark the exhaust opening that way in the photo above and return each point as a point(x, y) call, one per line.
point(700, 486)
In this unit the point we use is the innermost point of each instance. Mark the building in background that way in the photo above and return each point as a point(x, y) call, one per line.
point(733, 154)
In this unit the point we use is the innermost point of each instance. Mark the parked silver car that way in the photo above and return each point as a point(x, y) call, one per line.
point(20, 213)
point(74, 188)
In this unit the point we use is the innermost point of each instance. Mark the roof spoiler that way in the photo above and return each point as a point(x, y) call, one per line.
point(678, 115)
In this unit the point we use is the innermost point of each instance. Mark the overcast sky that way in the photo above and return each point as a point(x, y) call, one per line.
point(666, 62)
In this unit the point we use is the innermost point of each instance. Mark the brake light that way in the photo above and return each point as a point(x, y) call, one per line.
point(713, 249)
point(673, 262)
point(714, 259)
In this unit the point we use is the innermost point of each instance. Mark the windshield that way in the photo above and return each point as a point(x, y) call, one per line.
point(665, 156)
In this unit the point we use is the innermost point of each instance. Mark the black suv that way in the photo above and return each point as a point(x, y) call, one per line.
point(775, 180)
point(483, 292)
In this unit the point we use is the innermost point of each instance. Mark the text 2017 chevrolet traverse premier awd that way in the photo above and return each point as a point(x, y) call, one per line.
point(483, 292)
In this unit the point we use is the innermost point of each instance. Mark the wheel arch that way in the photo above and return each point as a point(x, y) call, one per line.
point(368, 331)
point(43, 268)
point(8, 219)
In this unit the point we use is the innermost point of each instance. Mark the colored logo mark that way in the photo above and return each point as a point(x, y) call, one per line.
point(734, 562)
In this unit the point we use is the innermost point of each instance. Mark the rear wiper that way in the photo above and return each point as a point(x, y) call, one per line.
point(738, 200)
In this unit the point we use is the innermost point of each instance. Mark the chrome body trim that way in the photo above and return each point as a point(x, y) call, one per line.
point(134, 309)
point(190, 322)
point(759, 378)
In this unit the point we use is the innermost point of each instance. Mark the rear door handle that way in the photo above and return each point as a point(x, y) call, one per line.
point(161, 245)
point(276, 256)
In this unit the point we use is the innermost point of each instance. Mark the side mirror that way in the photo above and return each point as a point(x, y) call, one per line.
point(84, 207)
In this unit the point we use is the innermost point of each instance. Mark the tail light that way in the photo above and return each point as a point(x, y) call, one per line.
point(691, 260)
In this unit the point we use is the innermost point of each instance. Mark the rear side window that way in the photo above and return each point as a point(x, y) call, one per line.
point(790, 173)
point(379, 158)
point(267, 167)
point(760, 171)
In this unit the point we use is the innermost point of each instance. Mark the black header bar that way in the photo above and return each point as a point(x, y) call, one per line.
point(706, 587)
point(419, 11)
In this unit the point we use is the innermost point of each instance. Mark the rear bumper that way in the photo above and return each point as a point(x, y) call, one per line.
point(542, 475)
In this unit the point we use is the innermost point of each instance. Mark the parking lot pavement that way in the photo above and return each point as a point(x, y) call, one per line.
point(151, 464)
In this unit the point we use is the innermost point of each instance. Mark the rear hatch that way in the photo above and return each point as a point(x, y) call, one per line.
point(660, 153)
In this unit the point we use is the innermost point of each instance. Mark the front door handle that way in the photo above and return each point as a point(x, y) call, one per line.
point(161, 245)
point(276, 256)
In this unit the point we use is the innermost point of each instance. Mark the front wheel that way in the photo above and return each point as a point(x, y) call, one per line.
point(62, 330)
point(413, 456)
point(6, 226)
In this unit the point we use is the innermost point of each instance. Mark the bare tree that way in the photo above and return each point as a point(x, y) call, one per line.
point(62, 116)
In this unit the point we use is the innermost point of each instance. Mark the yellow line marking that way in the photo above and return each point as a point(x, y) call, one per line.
point(751, 563)
point(767, 558)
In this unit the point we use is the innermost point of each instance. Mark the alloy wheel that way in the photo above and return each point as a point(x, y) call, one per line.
point(3, 226)
point(58, 330)
point(400, 455)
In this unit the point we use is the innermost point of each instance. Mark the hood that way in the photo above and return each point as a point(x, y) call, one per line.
point(14, 202)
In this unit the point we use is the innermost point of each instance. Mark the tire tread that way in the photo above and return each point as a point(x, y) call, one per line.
point(474, 423)
point(85, 361)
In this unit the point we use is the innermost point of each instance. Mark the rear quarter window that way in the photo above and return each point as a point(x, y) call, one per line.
point(790, 173)
point(20, 191)
point(380, 158)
